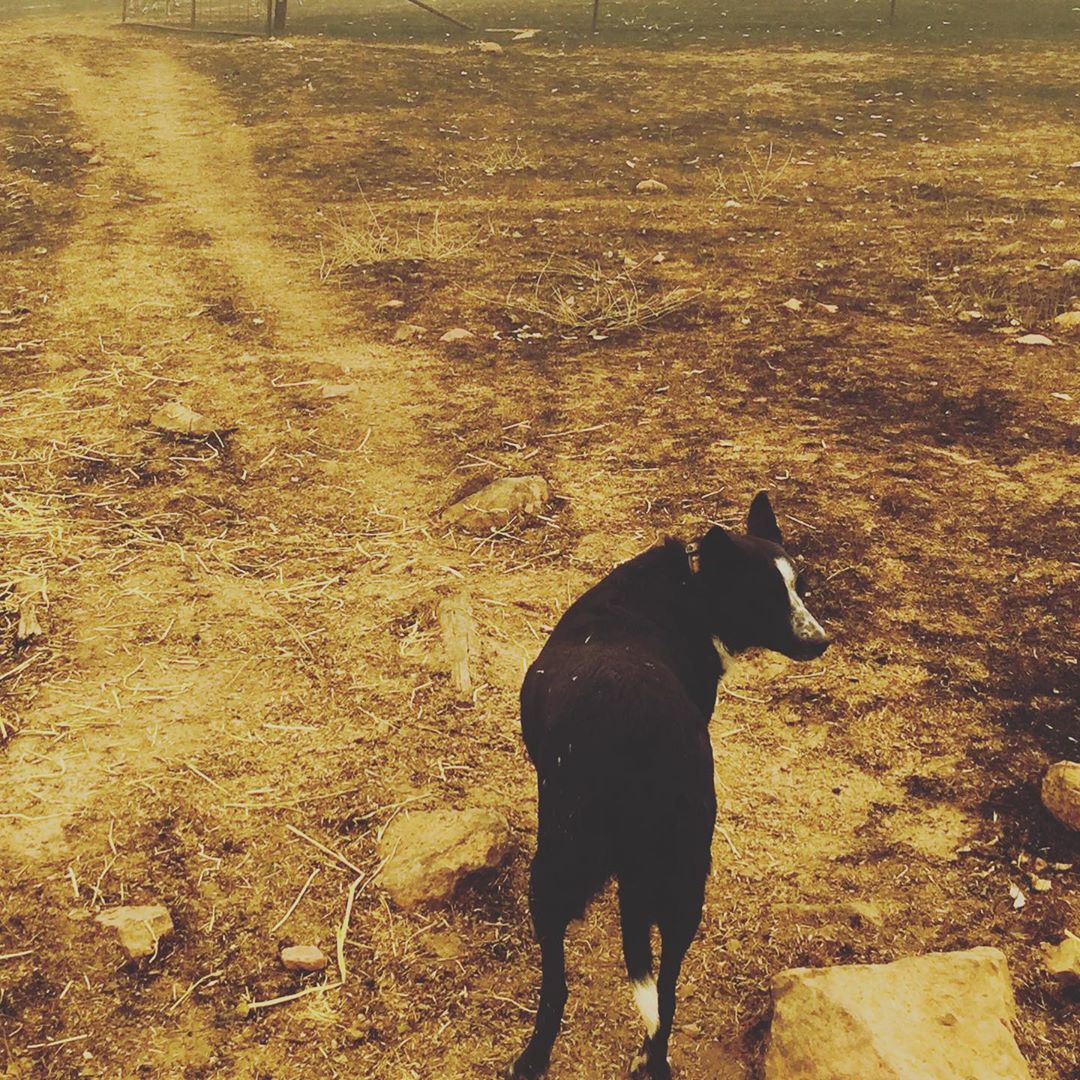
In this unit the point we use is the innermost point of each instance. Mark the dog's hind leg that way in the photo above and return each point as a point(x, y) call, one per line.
point(555, 897)
point(636, 920)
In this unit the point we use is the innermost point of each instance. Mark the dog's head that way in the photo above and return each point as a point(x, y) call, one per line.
point(754, 590)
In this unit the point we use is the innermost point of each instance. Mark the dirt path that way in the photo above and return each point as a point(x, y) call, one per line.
point(171, 168)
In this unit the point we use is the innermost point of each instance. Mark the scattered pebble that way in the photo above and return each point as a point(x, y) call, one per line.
point(139, 929)
point(1068, 320)
point(1062, 961)
point(495, 505)
point(1071, 267)
point(651, 187)
point(339, 390)
point(1032, 339)
point(409, 331)
point(457, 334)
point(793, 304)
point(1061, 793)
point(491, 47)
point(176, 418)
point(84, 148)
point(392, 305)
point(303, 958)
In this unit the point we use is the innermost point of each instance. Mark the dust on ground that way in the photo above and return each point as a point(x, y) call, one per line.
point(240, 631)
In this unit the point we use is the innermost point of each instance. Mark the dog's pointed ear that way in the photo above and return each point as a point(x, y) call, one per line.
point(761, 521)
point(717, 542)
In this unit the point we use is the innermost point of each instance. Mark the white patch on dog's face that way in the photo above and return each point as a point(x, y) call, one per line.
point(648, 1004)
point(803, 625)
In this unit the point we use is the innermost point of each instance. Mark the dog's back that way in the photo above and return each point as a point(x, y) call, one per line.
point(615, 712)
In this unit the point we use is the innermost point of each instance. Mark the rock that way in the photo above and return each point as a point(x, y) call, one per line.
point(651, 187)
point(303, 958)
point(944, 1016)
point(177, 419)
point(457, 334)
point(84, 149)
point(1062, 962)
point(1068, 320)
point(139, 929)
point(499, 503)
point(408, 331)
point(792, 304)
point(1032, 339)
point(1061, 793)
point(339, 390)
point(1071, 268)
point(95, 159)
point(525, 35)
point(732, 204)
point(431, 854)
point(392, 305)
point(491, 47)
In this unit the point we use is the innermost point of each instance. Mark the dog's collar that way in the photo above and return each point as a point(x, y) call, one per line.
point(693, 556)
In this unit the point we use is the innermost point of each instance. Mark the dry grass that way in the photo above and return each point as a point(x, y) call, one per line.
point(759, 176)
point(372, 240)
point(576, 296)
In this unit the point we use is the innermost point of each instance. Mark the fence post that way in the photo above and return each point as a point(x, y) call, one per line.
point(269, 18)
point(280, 9)
point(192, 14)
point(123, 13)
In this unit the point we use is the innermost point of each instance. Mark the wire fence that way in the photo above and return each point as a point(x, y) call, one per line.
point(223, 16)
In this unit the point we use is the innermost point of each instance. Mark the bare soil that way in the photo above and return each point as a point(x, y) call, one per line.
point(240, 632)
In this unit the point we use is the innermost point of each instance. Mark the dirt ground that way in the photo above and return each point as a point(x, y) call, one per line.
point(238, 633)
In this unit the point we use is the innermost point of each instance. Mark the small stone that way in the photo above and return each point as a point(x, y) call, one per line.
point(139, 929)
point(525, 35)
point(1058, 224)
point(973, 315)
point(732, 204)
point(431, 854)
point(1032, 339)
point(339, 390)
point(177, 419)
point(497, 504)
point(95, 159)
point(457, 334)
point(409, 331)
point(492, 48)
point(303, 958)
point(1071, 268)
point(83, 148)
point(651, 187)
point(1061, 793)
point(1068, 320)
point(1062, 962)
point(392, 305)
point(793, 304)
point(829, 309)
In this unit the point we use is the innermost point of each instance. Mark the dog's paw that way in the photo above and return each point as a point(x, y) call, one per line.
point(525, 1068)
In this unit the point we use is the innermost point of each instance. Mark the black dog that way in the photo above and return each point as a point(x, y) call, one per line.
point(615, 713)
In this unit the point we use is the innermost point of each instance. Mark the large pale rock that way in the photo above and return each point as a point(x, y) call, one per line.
point(944, 1016)
point(431, 854)
point(139, 929)
point(1061, 792)
point(496, 505)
